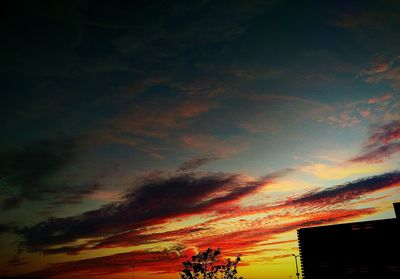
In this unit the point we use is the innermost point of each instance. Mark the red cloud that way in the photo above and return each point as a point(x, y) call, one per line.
point(167, 261)
point(197, 162)
point(153, 120)
point(209, 144)
point(191, 109)
point(381, 99)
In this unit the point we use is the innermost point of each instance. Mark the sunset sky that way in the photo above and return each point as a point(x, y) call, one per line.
point(137, 133)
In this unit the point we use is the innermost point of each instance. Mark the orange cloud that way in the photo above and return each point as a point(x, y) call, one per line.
point(154, 120)
point(209, 144)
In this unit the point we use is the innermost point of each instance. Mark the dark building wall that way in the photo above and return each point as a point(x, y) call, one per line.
point(356, 250)
point(397, 209)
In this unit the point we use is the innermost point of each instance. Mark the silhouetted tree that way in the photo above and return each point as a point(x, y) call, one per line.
point(203, 266)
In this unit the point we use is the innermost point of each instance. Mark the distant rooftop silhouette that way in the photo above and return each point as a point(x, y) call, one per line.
point(397, 209)
point(365, 250)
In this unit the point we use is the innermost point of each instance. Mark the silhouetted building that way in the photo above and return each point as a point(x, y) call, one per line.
point(368, 249)
point(397, 209)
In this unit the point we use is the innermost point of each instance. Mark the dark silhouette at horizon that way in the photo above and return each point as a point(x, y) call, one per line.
point(367, 249)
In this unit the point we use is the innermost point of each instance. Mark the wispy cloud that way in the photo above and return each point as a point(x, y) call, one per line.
point(264, 116)
point(156, 120)
point(385, 134)
point(383, 143)
point(372, 109)
point(351, 191)
point(210, 144)
point(378, 154)
point(5, 228)
point(196, 163)
point(384, 70)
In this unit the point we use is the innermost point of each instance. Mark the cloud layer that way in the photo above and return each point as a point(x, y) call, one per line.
point(157, 200)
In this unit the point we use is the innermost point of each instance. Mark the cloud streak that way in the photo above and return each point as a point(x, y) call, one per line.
point(351, 191)
point(382, 144)
point(153, 203)
point(335, 196)
point(384, 69)
point(196, 163)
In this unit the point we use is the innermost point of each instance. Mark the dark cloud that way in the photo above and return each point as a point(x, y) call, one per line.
point(11, 202)
point(18, 259)
point(156, 200)
point(52, 32)
point(197, 162)
point(29, 165)
point(72, 194)
point(156, 31)
point(385, 134)
point(351, 191)
point(378, 154)
point(99, 40)
point(69, 250)
point(5, 228)
point(383, 143)
point(374, 25)
point(127, 239)
point(66, 64)
point(27, 173)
